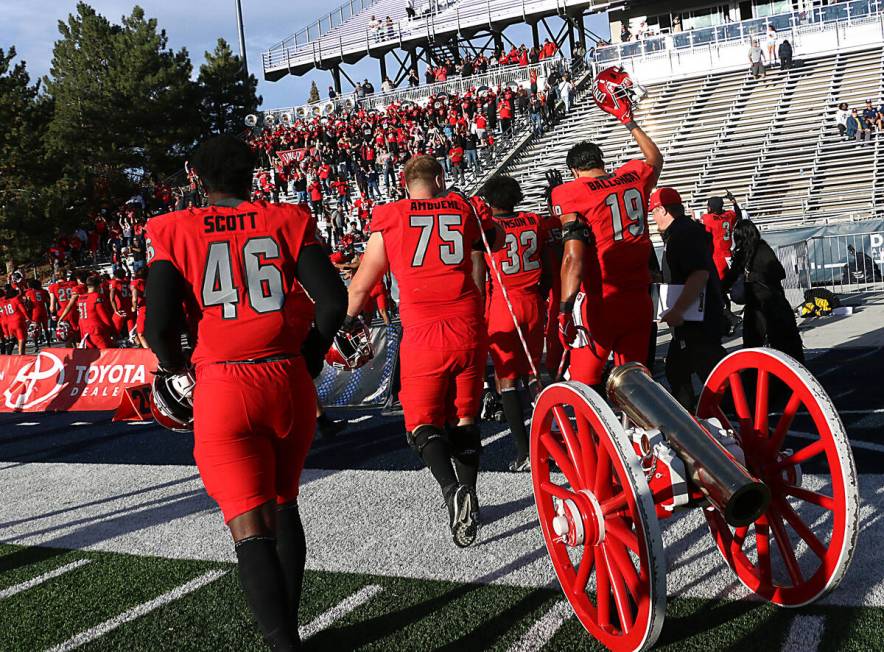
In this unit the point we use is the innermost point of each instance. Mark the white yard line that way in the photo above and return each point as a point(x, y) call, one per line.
point(81, 423)
point(24, 586)
point(805, 634)
point(28, 423)
point(337, 612)
point(544, 629)
point(136, 612)
point(364, 417)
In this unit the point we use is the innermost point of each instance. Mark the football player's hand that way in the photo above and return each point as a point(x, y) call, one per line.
point(729, 195)
point(673, 317)
point(567, 329)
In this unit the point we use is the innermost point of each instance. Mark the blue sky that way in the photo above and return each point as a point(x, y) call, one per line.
point(32, 26)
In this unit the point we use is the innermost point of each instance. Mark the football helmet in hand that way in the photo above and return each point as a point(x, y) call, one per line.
point(171, 399)
point(616, 93)
point(351, 347)
point(63, 332)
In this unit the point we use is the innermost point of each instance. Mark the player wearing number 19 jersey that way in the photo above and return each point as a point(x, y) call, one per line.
point(432, 243)
point(247, 266)
point(607, 254)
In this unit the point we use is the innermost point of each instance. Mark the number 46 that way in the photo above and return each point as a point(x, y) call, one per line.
point(264, 281)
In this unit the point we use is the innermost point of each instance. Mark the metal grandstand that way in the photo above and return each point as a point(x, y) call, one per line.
point(439, 27)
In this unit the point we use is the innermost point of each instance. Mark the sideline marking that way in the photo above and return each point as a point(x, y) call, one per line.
point(24, 586)
point(544, 629)
point(364, 417)
point(340, 610)
point(136, 612)
point(805, 634)
point(28, 423)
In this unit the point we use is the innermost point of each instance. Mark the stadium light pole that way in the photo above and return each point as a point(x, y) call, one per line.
point(242, 38)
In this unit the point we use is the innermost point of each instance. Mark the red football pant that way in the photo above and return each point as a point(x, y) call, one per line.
point(721, 265)
point(253, 426)
point(619, 323)
point(140, 318)
point(123, 323)
point(4, 329)
point(97, 340)
point(17, 329)
point(507, 352)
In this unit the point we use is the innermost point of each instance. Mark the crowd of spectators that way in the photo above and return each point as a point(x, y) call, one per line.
point(860, 124)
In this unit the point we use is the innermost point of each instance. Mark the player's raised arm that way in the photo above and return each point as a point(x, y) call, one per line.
point(371, 269)
point(653, 155)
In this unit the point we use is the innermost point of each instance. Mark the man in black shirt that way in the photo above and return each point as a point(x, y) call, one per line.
point(687, 260)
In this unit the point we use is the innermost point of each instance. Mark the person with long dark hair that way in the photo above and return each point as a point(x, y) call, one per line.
point(768, 319)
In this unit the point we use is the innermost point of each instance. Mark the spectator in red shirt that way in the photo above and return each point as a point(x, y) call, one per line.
point(343, 190)
point(455, 158)
point(315, 191)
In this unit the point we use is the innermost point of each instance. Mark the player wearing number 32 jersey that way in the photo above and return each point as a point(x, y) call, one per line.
point(244, 270)
point(607, 254)
point(433, 245)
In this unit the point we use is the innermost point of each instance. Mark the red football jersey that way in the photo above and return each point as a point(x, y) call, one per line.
point(428, 244)
point(15, 310)
point(94, 313)
point(614, 207)
point(721, 228)
point(39, 303)
point(122, 295)
point(520, 261)
point(240, 263)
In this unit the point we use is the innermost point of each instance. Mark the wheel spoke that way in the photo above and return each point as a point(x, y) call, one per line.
point(587, 444)
point(583, 571)
point(561, 459)
point(762, 543)
point(739, 393)
point(557, 491)
point(571, 443)
point(739, 536)
point(784, 423)
point(615, 504)
point(626, 568)
point(785, 548)
point(603, 590)
point(761, 404)
point(820, 500)
point(802, 455)
point(621, 600)
point(785, 510)
point(602, 487)
point(619, 531)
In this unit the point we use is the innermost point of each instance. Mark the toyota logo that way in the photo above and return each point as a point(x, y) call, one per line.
point(35, 383)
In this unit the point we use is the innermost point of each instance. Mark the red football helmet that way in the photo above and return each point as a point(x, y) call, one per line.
point(351, 347)
point(63, 331)
point(615, 93)
point(171, 400)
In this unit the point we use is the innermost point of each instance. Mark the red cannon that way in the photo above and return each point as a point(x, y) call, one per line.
point(766, 458)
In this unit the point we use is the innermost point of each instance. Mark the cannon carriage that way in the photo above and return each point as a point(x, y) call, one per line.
point(765, 457)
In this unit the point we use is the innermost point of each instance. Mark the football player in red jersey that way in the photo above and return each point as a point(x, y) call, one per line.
point(5, 343)
point(250, 267)
point(432, 243)
point(606, 253)
point(16, 320)
point(96, 325)
point(137, 286)
point(519, 267)
point(74, 289)
point(719, 224)
point(38, 303)
point(120, 298)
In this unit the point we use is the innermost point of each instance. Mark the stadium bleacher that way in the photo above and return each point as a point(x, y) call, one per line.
point(773, 142)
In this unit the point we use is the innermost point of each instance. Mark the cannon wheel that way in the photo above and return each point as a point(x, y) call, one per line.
point(801, 547)
point(601, 530)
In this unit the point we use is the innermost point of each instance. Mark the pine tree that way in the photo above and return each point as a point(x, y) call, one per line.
point(314, 93)
point(227, 96)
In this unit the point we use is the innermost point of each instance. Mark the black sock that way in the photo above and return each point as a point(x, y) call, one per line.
point(291, 546)
point(437, 457)
point(515, 417)
point(467, 465)
point(465, 446)
point(261, 577)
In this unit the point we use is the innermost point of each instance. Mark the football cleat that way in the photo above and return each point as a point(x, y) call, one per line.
point(463, 513)
point(521, 465)
point(616, 93)
point(351, 347)
point(171, 399)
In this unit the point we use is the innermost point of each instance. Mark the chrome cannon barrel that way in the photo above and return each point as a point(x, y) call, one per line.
point(729, 487)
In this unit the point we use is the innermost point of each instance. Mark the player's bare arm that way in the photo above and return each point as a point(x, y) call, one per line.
point(371, 269)
point(572, 257)
point(653, 155)
point(479, 271)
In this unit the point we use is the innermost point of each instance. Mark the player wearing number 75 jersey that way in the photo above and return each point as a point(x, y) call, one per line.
point(433, 244)
point(606, 254)
point(244, 269)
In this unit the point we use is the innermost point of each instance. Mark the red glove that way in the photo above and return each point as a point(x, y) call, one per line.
point(567, 329)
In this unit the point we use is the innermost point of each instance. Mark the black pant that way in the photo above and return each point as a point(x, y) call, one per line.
point(691, 352)
point(773, 324)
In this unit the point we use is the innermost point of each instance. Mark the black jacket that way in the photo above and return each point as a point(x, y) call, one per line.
point(764, 275)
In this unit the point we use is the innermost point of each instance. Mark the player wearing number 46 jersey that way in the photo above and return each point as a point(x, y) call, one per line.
point(433, 245)
point(606, 254)
point(248, 268)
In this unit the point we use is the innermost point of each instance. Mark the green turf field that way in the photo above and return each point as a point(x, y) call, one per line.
point(397, 614)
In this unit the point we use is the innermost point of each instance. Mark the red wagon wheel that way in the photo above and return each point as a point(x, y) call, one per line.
point(598, 517)
point(795, 442)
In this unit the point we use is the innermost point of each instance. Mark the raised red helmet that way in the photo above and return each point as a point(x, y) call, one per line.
point(616, 93)
point(351, 348)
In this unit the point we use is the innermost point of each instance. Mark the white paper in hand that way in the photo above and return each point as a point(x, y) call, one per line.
point(669, 294)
